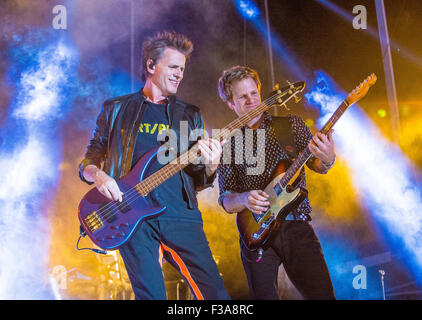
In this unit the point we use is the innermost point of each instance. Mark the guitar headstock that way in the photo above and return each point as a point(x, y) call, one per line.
point(294, 87)
point(280, 95)
point(361, 90)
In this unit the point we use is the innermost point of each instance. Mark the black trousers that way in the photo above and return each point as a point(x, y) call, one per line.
point(298, 248)
point(185, 246)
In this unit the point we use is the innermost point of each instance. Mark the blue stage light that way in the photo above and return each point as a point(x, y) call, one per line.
point(42, 74)
point(386, 181)
point(248, 9)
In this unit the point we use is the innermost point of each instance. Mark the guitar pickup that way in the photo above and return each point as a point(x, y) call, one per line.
point(268, 222)
point(277, 189)
point(259, 217)
point(109, 211)
point(124, 205)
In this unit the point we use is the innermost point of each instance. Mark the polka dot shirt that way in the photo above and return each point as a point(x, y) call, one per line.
point(250, 166)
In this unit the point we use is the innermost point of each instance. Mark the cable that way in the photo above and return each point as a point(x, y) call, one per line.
point(82, 233)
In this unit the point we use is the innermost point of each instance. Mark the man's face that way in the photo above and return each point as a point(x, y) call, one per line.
point(246, 96)
point(168, 71)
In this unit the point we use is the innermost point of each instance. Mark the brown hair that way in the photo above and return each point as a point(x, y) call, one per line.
point(233, 75)
point(153, 47)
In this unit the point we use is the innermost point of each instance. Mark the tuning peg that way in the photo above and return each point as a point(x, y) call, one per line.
point(297, 99)
point(285, 106)
point(276, 87)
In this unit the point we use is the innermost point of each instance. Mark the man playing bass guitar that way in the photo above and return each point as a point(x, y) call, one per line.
point(127, 128)
point(295, 244)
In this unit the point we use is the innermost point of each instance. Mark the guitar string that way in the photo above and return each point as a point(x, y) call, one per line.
point(306, 154)
point(108, 210)
point(334, 117)
point(131, 195)
point(303, 157)
point(251, 116)
point(168, 170)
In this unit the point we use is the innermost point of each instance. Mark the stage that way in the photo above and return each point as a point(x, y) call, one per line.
point(60, 60)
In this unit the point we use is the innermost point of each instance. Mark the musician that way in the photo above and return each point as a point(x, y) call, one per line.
point(128, 127)
point(296, 244)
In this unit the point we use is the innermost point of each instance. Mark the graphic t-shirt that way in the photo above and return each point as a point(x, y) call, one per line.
point(171, 192)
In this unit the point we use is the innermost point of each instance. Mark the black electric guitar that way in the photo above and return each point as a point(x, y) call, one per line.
point(256, 230)
point(109, 224)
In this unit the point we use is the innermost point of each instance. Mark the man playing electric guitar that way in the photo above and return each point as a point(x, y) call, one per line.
point(127, 128)
point(295, 243)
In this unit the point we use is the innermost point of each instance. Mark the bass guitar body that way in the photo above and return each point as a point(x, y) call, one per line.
point(109, 224)
point(257, 231)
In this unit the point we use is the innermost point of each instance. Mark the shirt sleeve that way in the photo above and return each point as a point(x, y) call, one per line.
point(228, 180)
point(97, 147)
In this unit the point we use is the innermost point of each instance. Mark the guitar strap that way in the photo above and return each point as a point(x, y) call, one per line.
point(284, 134)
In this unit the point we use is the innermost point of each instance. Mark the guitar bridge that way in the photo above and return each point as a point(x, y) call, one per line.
point(93, 221)
point(259, 217)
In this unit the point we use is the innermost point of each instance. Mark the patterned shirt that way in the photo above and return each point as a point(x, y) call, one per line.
point(234, 175)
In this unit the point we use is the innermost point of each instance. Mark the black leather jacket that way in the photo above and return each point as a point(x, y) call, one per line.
point(114, 139)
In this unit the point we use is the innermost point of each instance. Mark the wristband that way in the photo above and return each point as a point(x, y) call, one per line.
point(328, 166)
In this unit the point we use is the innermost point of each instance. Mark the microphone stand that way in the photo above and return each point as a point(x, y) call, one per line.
point(382, 272)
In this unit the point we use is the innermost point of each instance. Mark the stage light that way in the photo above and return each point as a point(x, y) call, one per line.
point(248, 9)
point(29, 164)
point(278, 45)
point(405, 110)
point(386, 181)
point(382, 113)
